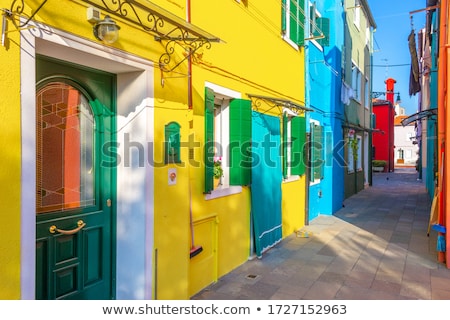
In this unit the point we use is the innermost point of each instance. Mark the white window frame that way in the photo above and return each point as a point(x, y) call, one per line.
point(222, 98)
point(356, 82)
point(222, 134)
point(286, 36)
point(357, 15)
point(313, 23)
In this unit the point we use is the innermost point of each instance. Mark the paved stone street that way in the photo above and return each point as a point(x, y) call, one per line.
point(376, 248)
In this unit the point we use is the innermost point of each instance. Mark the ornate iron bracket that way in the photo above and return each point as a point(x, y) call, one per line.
point(191, 45)
point(164, 25)
point(376, 94)
point(17, 8)
point(274, 102)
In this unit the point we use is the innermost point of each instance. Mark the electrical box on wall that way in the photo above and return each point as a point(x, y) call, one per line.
point(93, 15)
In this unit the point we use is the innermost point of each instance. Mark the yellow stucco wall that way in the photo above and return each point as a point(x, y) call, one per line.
point(171, 232)
point(10, 168)
point(251, 59)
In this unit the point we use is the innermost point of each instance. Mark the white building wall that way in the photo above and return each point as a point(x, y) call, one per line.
point(404, 139)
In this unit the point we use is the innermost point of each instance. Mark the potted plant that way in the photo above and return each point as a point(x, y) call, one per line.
point(378, 165)
point(218, 171)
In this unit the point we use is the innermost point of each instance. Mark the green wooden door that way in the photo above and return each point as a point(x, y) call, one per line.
point(74, 191)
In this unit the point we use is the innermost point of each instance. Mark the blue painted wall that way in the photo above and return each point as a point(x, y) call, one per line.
point(323, 95)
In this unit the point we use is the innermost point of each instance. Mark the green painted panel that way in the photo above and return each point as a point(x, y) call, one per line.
point(172, 143)
point(298, 136)
point(41, 269)
point(240, 141)
point(92, 266)
point(317, 152)
point(209, 140)
point(324, 25)
point(65, 281)
point(65, 248)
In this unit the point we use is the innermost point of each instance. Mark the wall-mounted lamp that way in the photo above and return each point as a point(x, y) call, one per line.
point(105, 30)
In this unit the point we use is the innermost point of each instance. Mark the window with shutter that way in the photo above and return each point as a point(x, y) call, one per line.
point(227, 141)
point(294, 139)
point(293, 21)
point(319, 27)
point(317, 148)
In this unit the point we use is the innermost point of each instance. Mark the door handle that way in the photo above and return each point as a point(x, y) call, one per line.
point(81, 224)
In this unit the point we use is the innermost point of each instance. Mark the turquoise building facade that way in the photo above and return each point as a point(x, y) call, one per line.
point(323, 95)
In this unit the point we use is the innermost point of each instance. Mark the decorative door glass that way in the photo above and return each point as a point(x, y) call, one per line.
point(65, 149)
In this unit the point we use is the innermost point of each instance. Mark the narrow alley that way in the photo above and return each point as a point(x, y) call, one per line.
point(375, 248)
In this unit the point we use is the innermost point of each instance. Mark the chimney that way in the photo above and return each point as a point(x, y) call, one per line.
point(390, 89)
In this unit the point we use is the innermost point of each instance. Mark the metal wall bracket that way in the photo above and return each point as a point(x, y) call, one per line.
point(17, 8)
point(164, 25)
point(274, 102)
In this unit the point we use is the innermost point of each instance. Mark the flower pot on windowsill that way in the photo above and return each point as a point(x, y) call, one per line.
point(217, 182)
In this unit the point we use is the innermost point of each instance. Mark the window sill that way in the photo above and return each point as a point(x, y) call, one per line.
point(223, 192)
point(291, 179)
point(357, 100)
point(290, 42)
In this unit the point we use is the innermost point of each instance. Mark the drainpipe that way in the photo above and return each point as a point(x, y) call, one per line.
point(189, 60)
point(442, 91)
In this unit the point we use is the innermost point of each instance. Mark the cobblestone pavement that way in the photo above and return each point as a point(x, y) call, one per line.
point(375, 248)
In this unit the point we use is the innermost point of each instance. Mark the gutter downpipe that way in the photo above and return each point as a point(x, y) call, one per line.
point(446, 217)
point(442, 90)
point(189, 60)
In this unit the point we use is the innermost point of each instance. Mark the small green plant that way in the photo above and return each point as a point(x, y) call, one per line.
point(218, 170)
point(378, 163)
point(353, 142)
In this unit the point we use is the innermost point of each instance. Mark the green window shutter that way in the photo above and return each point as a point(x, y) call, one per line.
point(301, 26)
point(172, 143)
point(283, 16)
point(285, 145)
point(324, 26)
point(318, 148)
point(317, 152)
point(297, 22)
point(240, 141)
point(298, 137)
point(209, 140)
point(293, 21)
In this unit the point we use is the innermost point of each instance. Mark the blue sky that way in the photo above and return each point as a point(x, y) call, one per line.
point(391, 45)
